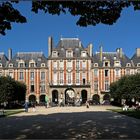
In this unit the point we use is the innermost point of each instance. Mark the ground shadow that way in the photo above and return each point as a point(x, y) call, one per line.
point(102, 125)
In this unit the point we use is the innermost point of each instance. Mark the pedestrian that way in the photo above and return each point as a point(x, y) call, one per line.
point(87, 104)
point(26, 106)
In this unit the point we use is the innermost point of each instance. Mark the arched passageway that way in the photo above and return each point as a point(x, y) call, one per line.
point(42, 99)
point(32, 99)
point(96, 99)
point(55, 96)
point(84, 96)
point(69, 96)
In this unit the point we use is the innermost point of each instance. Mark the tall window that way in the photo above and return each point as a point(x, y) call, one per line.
point(69, 64)
point(61, 64)
point(21, 77)
point(84, 78)
point(77, 77)
point(127, 71)
point(32, 76)
point(61, 77)
point(117, 72)
point(95, 72)
point(77, 64)
point(95, 86)
point(106, 85)
point(69, 77)
point(42, 87)
point(32, 88)
point(55, 64)
point(106, 73)
point(11, 74)
point(84, 64)
point(55, 78)
point(43, 75)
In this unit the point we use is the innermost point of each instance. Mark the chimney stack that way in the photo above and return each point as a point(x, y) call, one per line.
point(138, 52)
point(50, 45)
point(90, 48)
point(101, 53)
point(9, 54)
point(120, 52)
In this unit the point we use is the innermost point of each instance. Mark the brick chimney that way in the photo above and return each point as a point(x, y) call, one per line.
point(50, 45)
point(9, 54)
point(138, 52)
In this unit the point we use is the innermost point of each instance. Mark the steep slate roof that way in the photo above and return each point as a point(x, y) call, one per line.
point(38, 57)
point(135, 59)
point(110, 56)
point(73, 44)
point(3, 59)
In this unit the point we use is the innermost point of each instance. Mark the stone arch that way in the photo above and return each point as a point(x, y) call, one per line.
point(84, 96)
point(32, 99)
point(70, 96)
point(42, 99)
point(55, 96)
point(96, 99)
point(106, 97)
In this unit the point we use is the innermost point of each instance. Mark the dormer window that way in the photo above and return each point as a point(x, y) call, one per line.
point(117, 63)
point(138, 65)
point(106, 64)
point(54, 54)
point(96, 65)
point(128, 65)
point(115, 58)
point(83, 53)
point(0, 65)
point(43, 65)
point(32, 65)
point(69, 53)
point(21, 65)
point(10, 65)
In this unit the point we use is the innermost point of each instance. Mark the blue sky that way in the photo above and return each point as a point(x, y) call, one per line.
point(33, 35)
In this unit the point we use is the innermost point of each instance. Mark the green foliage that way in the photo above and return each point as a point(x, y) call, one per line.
point(128, 87)
point(89, 12)
point(11, 90)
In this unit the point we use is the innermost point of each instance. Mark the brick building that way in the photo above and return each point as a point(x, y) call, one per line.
point(71, 71)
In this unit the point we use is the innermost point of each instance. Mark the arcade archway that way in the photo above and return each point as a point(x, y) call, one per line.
point(84, 96)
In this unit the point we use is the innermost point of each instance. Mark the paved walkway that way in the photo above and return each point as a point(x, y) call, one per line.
point(69, 122)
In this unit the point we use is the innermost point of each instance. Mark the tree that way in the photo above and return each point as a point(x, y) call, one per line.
point(90, 12)
point(128, 87)
point(11, 90)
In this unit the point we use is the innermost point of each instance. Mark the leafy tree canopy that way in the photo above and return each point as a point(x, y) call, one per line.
point(128, 87)
point(90, 12)
point(11, 90)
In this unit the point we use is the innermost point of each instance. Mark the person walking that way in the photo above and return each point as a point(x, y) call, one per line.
point(87, 104)
point(26, 106)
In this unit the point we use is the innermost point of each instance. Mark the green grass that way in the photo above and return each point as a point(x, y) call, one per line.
point(130, 113)
point(11, 112)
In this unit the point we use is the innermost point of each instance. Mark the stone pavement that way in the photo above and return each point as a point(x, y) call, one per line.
point(69, 123)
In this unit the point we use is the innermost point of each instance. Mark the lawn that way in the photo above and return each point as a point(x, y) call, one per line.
point(12, 111)
point(131, 113)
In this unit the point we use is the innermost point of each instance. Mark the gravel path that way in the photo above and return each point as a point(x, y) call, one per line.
point(69, 123)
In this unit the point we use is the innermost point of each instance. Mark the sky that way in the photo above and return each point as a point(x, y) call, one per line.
point(33, 35)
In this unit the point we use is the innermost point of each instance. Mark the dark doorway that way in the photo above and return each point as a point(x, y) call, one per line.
point(55, 96)
point(96, 99)
point(84, 96)
point(32, 99)
point(42, 100)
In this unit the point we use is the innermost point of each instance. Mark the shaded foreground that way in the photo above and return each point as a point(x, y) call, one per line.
point(74, 125)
